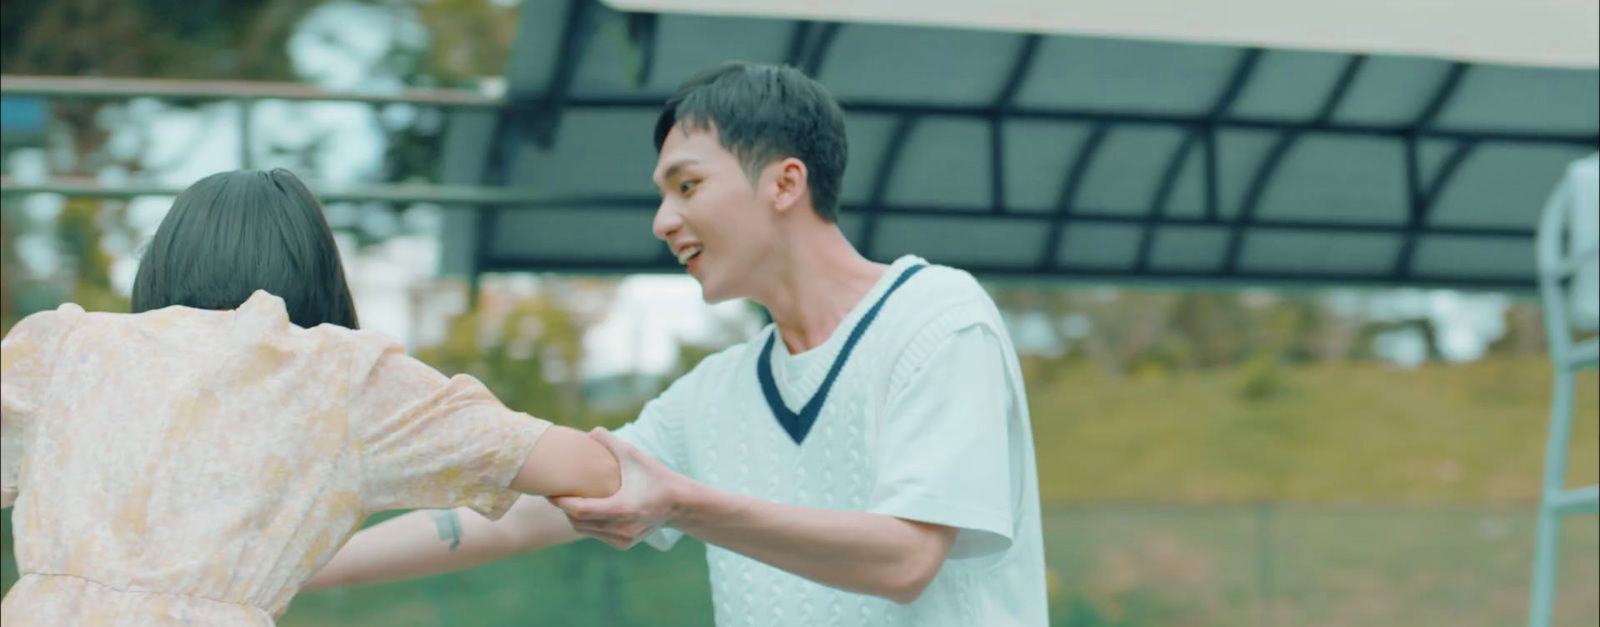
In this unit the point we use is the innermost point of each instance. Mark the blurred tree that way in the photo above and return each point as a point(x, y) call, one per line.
point(469, 40)
point(83, 225)
point(223, 40)
point(85, 276)
point(528, 349)
point(1154, 332)
point(1524, 335)
point(1213, 327)
point(213, 39)
point(1127, 327)
point(1422, 327)
point(217, 39)
point(1330, 335)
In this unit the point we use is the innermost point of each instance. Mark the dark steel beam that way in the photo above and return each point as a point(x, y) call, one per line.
point(1415, 208)
point(533, 116)
point(496, 172)
point(1027, 50)
point(1252, 198)
point(1440, 98)
point(819, 50)
point(984, 111)
point(997, 165)
point(1420, 197)
point(1021, 66)
point(539, 115)
point(1275, 156)
point(799, 37)
point(1212, 180)
point(1066, 199)
point(646, 206)
point(1423, 198)
point(1446, 174)
point(1240, 77)
point(882, 176)
point(1029, 272)
point(1341, 88)
point(1162, 197)
point(643, 29)
point(1243, 71)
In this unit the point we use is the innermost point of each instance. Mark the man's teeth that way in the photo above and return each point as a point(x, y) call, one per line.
point(687, 254)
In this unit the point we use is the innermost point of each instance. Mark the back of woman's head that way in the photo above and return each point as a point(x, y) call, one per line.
point(233, 233)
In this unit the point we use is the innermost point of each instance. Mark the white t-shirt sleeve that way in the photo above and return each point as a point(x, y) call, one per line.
point(658, 432)
point(943, 443)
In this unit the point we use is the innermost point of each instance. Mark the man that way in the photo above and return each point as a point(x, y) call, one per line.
point(865, 460)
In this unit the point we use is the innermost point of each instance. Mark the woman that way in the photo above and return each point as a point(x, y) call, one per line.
point(195, 461)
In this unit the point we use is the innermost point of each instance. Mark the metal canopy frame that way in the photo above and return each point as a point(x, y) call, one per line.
point(808, 47)
point(531, 115)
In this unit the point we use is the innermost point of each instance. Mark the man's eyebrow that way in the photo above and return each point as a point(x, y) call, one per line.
point(677, 167)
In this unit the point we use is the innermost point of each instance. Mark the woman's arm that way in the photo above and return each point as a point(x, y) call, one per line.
point(434, 542)
point(563, 462)
point(567, 462)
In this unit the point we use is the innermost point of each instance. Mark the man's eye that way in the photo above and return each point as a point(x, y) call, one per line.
point(686, 187)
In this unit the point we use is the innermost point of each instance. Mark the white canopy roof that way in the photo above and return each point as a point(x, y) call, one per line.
point(1550, 33)
point(1018, 147)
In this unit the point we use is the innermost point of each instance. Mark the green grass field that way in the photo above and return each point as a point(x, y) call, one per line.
point(1110, 566)
point(1355, 433)
point(1399, 498)
point(1307, 566)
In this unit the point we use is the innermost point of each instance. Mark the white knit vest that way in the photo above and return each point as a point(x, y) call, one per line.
point(732, 442)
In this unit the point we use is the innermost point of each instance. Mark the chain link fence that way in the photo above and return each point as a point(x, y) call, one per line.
point(1110, 566)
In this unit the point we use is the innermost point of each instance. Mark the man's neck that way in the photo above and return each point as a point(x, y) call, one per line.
point(817, 285)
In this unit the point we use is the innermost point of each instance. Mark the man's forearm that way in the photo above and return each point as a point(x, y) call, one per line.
point(857, 551)
point(433, 542)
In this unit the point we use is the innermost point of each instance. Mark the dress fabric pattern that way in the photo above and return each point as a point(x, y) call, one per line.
point(195, 467)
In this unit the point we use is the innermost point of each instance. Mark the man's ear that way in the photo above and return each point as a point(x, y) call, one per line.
point(791, 182)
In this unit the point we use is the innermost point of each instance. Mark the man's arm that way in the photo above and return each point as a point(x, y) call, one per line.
point(427, 543)
point(433, 542)
point(944, 488)
point(861, 552)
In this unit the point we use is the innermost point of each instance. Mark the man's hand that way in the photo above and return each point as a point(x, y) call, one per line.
point(862, 552)
point(647, 501)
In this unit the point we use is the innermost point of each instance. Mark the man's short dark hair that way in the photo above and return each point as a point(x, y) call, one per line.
point(763, 113)
point(233, 233)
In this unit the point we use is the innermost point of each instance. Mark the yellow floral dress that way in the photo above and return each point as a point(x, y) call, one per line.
point(193, 467)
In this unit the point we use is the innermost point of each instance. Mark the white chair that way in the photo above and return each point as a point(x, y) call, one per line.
point(1568, 250)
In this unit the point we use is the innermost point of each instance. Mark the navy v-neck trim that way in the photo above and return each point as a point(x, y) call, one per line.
point(798, 425)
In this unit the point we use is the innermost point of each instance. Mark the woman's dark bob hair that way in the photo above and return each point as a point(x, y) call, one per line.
point(233, 233)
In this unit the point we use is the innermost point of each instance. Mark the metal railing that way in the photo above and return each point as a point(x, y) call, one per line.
point(247, 94)
point(1560, 274)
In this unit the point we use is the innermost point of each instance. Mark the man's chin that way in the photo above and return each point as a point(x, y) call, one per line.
point(713, 296)
point(711, 299)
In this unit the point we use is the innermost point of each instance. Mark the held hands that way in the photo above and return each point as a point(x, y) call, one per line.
point(648, 500)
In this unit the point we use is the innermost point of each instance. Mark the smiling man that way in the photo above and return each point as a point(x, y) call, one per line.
point(865, 460)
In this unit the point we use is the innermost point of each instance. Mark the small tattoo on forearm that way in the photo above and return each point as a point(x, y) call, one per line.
point(449, 524)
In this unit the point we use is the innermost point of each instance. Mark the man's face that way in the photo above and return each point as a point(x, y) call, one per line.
point(711, 216)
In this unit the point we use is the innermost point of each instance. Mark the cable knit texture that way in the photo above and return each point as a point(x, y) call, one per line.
point(714, 425)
